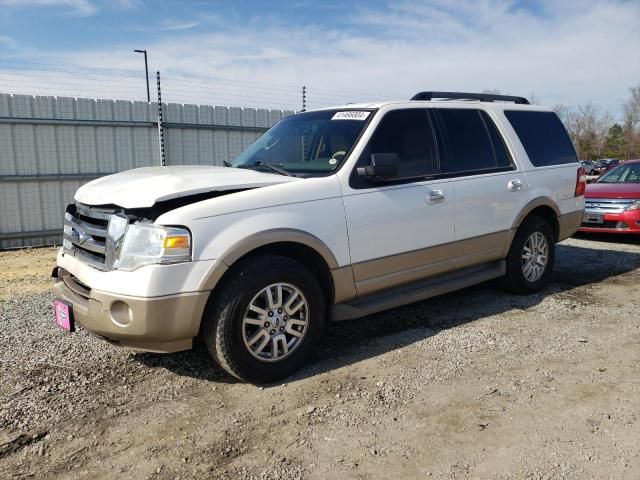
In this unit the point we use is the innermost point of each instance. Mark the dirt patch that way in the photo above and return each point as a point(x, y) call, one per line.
point(474, 384)
point(26, 271)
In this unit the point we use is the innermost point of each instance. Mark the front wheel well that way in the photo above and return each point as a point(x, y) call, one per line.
point(299, 252)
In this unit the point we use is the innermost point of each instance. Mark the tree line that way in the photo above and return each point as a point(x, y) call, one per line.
point(596, 135)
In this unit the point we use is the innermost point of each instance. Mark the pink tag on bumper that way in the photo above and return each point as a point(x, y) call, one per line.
point(63, 314)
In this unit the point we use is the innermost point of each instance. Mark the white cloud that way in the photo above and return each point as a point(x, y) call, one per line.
point(77, 7)
point(131, 3)
point(175, 25)
point(8, 42)
point(561, 53)
point(166, 25)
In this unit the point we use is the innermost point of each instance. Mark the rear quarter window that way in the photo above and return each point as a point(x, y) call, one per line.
point(543, 137)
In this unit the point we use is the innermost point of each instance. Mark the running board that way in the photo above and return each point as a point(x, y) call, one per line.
point(415, 292)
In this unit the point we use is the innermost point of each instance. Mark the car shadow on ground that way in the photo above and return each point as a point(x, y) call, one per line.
point(622, 238)
point(349, 342)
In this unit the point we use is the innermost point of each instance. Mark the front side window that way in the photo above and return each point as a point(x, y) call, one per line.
point(312, 142)
point(408, 134)
point(471, 141)
point(543, 137)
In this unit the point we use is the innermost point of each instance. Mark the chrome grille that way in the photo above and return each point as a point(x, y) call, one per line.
point(85, 234)
point(607, 205)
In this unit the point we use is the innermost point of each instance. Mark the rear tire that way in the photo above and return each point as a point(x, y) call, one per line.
point(264, 321)
point(531, 257)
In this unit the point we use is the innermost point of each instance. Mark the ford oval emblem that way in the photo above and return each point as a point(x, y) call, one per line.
point(79, 237)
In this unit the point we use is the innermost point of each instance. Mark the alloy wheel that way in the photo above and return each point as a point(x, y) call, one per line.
point(275, 322)
point(535, 257)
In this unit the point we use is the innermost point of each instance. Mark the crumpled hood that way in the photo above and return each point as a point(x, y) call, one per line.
point(143, 187)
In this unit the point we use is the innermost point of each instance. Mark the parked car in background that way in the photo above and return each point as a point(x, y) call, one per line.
point(588, 166)
point(612, 203)
point(604, 165)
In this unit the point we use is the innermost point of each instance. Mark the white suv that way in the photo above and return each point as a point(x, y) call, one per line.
point(332, 214)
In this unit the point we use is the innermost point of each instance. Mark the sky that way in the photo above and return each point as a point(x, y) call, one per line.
point(261, 53)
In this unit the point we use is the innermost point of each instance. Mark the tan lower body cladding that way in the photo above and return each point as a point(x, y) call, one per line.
point(387, 272)
point(161, 324)
point(382, 273)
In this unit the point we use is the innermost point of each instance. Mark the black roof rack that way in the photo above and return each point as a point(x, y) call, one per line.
point(483, 97)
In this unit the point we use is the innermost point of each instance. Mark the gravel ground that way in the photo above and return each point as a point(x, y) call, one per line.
point(474, 384)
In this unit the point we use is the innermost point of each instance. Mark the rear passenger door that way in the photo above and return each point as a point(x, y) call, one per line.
point(489, 191)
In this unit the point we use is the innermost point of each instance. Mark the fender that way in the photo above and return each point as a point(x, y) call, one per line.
point(526, 210)
point(277, 235)
point(342, 276)
point(532, 205)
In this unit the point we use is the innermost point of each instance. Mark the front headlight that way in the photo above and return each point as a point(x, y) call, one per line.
point(634, 206)
point(146, 244)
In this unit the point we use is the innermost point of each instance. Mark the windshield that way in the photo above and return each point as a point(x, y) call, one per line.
point(629, 173)
point(312, 142)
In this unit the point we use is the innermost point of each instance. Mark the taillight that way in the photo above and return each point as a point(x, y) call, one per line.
point(581, 182)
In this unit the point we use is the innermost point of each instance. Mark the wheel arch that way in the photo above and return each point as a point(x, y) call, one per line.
point(336, 282)
point(543, 207)
point(269, 238)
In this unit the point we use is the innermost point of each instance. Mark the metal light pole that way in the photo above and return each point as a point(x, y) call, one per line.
point(146, 71)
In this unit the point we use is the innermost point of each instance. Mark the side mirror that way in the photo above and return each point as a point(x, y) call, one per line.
point(383, 166)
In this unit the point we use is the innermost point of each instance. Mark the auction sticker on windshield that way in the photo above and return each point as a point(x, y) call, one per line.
point(351, 115)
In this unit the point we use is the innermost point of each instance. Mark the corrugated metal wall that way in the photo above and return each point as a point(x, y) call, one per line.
point(49, 146)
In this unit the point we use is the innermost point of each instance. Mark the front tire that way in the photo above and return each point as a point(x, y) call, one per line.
point(531, 257)
point(263, 322)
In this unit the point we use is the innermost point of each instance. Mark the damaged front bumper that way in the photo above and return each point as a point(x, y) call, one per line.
point(163, 324)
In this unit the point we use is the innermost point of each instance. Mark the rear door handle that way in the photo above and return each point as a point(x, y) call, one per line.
point(435, 196)
point(514, 185)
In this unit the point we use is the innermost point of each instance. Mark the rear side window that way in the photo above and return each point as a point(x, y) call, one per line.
point(407, 133)
point(471, 141)
point(543, 137)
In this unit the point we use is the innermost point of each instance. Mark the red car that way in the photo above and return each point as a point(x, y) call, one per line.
point(612, 203)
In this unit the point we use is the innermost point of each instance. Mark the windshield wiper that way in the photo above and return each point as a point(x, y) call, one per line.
point(271, 167)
